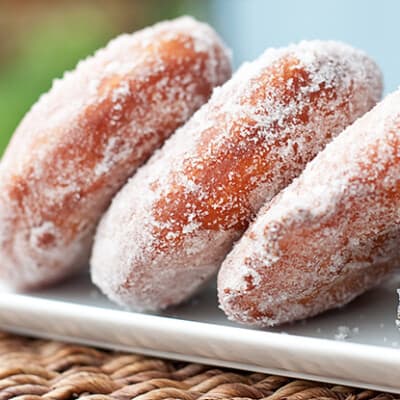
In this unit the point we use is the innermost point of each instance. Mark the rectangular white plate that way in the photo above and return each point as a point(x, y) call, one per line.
point(199, 332)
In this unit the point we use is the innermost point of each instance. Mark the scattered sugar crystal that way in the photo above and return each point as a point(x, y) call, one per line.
point(345, 332)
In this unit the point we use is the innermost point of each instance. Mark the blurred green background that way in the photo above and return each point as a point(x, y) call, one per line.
point(39, 40)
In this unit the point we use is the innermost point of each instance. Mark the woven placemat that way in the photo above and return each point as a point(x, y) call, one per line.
point(32, 369)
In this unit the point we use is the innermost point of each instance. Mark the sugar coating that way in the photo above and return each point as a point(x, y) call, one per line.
point(329, 236)
point(170, 227)
point(84, 138)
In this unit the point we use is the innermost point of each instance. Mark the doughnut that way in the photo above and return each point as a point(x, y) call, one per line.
point(83, 139)
point(328, 237)
point(170, 227)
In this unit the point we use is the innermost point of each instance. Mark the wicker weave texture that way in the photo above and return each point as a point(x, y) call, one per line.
point(33, 369)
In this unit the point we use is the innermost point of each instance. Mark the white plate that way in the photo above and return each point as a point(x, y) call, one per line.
point(199, 332)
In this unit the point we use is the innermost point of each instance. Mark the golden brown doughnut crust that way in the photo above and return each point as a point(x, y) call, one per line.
point(170, 227)
point(84, 138)
point(329, 236)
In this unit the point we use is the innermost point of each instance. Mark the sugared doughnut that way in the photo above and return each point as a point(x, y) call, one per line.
point(170, 227)
point(83, 139)
point(329, 236)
